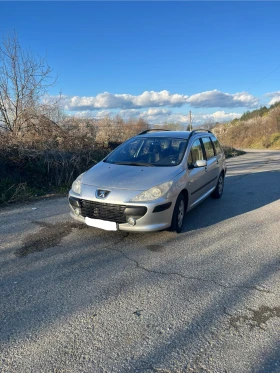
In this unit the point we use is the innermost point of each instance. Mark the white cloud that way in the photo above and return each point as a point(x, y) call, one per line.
point(161, 115)
point(157, 112)
point(152, 99)
point(82, 114)
point(101, 114)
point(130, 113)
point(154, 116)
point(124, 101)
point(89, 114)
point(219, 116)
point(150, 113)
point(217, 98)
point(275, 97)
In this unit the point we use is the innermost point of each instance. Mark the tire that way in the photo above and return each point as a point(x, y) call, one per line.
point(218, 192)
point(178, 214)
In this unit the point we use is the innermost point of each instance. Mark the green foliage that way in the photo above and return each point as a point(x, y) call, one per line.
point(235, 121)
point(277, 104)
point(275, 141)
point(257, 129)
point(255, 113)
point(262, 111)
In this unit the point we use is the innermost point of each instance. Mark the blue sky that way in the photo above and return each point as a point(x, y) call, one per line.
point(157, 60)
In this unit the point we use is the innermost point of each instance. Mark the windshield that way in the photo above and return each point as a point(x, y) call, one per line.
point(150, 152)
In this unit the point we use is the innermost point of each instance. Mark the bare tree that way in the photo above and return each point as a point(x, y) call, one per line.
point(24, 79)
point(208, 124)
point(51, 108)
point(174, 126)
point(116, 129)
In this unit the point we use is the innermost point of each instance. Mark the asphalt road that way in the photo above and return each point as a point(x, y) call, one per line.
point(76, 299)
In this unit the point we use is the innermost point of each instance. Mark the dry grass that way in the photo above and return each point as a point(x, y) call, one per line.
point(259, 132)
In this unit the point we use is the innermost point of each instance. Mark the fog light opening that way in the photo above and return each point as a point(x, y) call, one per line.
point(77, 211)
point(131, 220)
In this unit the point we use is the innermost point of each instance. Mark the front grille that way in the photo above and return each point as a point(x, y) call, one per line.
point(103, 211)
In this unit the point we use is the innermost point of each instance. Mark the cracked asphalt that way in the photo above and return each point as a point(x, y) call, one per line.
point(75, 299)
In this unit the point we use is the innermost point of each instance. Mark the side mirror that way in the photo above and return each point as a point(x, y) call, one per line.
point(200, 163)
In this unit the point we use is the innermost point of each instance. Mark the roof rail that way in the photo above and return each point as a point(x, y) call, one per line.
point(152, 130)
point(199, 130)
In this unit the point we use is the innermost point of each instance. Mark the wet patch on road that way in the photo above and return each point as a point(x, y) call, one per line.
point(256, 319)
point(49, 235)
point(156, 248)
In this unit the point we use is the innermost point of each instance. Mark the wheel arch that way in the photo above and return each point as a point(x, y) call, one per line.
point(186, 196)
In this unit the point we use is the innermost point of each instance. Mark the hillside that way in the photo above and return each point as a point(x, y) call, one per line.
point(256, 129)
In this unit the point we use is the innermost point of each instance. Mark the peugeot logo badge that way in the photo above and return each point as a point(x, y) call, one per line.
point(102, 193)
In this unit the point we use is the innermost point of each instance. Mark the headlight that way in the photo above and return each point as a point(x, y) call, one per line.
point(153, 193)
point(76, 186)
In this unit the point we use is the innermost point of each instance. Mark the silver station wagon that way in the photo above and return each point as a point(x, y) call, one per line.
point(150, 181)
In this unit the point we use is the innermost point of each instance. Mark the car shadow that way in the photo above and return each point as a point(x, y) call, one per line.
point(242, 194)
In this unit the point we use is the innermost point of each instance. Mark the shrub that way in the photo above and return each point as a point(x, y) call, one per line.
point(27, 172)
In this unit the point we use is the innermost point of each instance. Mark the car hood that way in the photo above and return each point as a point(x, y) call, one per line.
point(107, 175)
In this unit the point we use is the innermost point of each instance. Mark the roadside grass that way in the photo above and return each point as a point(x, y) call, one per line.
point(10, 191)
point(267, 142)
point(27, 173)
point(232, 152)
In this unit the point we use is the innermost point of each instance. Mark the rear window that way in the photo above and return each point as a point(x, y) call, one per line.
point(208, 146)
point(217, 146)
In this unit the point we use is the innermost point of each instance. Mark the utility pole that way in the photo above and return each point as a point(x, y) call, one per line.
point(190, 126)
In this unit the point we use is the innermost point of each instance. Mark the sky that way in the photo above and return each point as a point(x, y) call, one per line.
point(155, 60)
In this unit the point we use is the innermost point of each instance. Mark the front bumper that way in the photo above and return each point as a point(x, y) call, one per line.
point(148, 217)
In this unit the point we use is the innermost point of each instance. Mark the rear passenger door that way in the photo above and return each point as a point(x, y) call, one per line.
point(212, 162)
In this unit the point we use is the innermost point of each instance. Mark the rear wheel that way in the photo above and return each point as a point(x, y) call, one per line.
point(178, 214)
point(218, 192)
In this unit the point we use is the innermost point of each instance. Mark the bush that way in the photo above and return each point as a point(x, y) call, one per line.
point(231, 152)
point(29, 172)
point(255, 132)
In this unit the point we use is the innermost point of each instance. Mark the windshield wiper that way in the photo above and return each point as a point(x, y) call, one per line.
point(135, 164)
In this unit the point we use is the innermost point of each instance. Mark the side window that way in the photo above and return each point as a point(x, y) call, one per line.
point(217, 146)
point(196, 153)
point(208, 146)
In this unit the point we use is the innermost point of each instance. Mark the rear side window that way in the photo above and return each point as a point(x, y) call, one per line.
point(217, 146)
point(196, 153)
point(208, 146)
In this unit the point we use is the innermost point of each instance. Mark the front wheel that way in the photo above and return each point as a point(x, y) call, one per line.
point(178, 214)
point(218, 192)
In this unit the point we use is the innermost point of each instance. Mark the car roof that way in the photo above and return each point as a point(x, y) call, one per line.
point(173, 134)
